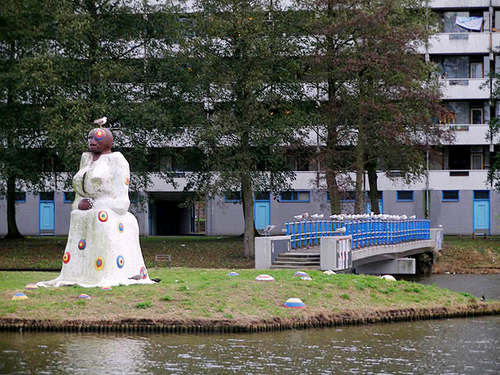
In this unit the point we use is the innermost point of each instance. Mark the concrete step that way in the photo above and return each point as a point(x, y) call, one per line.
point(281, 257)
point(299, 255)
point(298, 264)
point(295, 267)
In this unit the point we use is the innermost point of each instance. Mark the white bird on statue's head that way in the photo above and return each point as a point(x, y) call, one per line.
point(101, 121)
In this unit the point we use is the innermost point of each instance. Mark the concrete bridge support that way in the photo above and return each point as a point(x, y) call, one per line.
point(401, 266)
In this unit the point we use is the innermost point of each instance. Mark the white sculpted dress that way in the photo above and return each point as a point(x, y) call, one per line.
point(103, 242)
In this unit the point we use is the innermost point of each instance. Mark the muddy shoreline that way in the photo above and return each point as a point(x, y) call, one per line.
point(199, 326)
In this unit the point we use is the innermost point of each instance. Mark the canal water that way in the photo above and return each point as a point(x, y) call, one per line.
point(451, 346)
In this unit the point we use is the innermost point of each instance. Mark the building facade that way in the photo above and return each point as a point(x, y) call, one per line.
point(454, 193)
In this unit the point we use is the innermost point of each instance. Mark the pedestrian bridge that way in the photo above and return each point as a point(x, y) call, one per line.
point(367, 245)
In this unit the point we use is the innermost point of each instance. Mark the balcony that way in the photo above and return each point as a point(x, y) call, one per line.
point(475, 179)
point(465, 88)
point(462, 43)
point(461, 3)
point(440, 180)
point(470, 134)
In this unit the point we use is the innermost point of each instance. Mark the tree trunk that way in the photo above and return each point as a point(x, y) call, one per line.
point(371, 167)
point(12, 230)
point(333, 191)
point(247, 197)
point(359, 166)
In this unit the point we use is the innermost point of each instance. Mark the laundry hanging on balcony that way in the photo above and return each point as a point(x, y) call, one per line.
point(470, 23)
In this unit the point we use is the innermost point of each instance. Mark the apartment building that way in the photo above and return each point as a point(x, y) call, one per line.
point(454, 193)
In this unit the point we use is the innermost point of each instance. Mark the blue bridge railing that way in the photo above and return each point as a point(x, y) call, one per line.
point(364, 232)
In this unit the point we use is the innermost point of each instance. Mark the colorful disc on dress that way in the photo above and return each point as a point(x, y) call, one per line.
point(82, 244)
point(127, 181)
point(120, 227)
point(103, 216)
point(143, 272)
point(66, 257)
point(294, 303)
point(99, 134)
point(120, 262)
point(99, 263)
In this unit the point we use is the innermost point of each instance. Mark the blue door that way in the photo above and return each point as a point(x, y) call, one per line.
point(262, 212)
point(481, 214)
point(47, 222)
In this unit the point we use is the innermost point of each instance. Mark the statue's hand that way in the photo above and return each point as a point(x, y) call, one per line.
point(85, 204)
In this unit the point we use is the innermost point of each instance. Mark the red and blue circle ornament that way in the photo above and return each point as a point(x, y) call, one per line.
point(103, 216)
point(99, 263)
point(120, 227)
point(143, 272)
point(120, 262)
point(294, 303)
point(82, 244)
point(66, 257)
point(99, 135)
point(127, 180)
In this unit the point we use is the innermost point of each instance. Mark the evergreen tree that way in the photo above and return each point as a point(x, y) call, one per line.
point(70, 62)
point(380, 93)
point(244, 62)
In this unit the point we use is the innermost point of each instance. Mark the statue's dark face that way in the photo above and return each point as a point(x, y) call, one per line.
point(100, 141)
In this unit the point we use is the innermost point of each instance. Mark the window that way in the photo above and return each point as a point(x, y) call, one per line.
point(20, 196)
point(450, 196)
point(295, 196)
point(476, 116)
point(404, 195)
point(232, 196)
point(481, 194)
point(262, 196)
point(477, 161)
point(476, 70)
point(47, 196)
point(69, 196)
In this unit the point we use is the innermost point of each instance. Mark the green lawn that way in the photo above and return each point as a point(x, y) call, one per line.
point(186, 294)
point(185, 251)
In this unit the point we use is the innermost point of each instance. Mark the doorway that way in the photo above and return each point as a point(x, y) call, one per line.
point(46, 213)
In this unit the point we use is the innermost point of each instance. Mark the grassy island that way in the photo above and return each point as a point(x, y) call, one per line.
point(194, 299)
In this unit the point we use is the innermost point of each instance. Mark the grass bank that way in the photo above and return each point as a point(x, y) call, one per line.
point(467, 255)
point(459, 255)
point(207, 300)
point(37, 253)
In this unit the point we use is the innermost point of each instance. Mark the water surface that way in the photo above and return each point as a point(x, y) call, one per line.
point(451, 346)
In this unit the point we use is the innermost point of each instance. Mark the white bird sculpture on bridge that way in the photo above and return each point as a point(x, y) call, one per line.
point(317, 216)
point(303, 216)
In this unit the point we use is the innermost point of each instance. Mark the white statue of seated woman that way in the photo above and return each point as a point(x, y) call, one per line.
point(103, 242)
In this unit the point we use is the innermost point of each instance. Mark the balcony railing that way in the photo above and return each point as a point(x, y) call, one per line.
point(469, 134)
point(463, 43)
point(465, 88)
